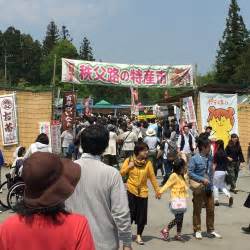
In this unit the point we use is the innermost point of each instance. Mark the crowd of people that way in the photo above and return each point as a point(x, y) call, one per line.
point(91, 202)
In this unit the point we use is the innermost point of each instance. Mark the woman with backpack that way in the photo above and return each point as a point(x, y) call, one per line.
point(169, 154)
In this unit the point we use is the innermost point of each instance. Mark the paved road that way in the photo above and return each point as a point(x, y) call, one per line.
point(228, 223)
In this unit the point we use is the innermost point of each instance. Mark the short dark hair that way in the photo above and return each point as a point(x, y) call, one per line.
point(209, 127)
point(21, 151)
point(95, 139)
point(43, 138)
point(203, 141)
point(140, 146)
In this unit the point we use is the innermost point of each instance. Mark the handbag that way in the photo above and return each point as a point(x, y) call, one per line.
point(178, 205)
point(196, 186)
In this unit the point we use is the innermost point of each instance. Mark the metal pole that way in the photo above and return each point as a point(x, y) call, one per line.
point(53, 88)
point(5, 67)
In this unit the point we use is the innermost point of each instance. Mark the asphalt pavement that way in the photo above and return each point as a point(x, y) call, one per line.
point(228, 223)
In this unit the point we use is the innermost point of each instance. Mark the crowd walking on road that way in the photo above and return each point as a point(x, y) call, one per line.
point(89, 197)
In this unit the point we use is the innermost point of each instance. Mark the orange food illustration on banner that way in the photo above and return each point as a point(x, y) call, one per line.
point(222, 121)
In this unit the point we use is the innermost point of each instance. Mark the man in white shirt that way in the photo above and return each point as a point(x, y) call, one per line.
point(67, 139)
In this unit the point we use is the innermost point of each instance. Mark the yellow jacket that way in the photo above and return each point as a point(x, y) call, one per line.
point(178, 186)
point(138, 177)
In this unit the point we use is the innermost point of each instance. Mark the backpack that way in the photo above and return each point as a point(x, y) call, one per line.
point(172, 150)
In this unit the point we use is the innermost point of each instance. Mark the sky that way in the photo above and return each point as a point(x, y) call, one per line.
point(131, 31)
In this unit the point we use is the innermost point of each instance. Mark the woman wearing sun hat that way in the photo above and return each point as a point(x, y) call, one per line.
point(42, 221)
point(152, 141)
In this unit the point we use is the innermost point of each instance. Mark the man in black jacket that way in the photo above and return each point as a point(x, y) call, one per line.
point(186, 143)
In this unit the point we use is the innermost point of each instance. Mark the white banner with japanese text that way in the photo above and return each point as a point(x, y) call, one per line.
point(188, 106)
point(44, 128)
point(146, 76)
point(220, 111)
point(8, 118)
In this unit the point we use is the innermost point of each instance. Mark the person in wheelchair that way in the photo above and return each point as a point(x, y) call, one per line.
point(14, 176)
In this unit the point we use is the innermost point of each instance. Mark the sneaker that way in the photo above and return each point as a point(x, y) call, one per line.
point(231, 201)
point(1, 190)
point(246, 230)
point(214, 235)
point(217, 204)
point(198, 235)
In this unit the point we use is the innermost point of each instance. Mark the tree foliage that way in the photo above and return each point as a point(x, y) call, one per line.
point(65, 35)
point(86, 51)
point(62, 49)
point(232, 45)
point(51, 38)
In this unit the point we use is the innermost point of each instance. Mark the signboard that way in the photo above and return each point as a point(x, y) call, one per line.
point(220, 112)
point(44, 127)
point(146, 76)
point(56, 137)
point(8, 119)
point(69, 110)
point(188, 106)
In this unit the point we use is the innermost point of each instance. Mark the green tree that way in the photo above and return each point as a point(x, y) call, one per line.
point(242, 74)
point(31, 59)
point(233, 43)
point(86, 51)
point(51, 38)
point(62, 49)
point(12, 49)
point(1, 57)
point(65, 35)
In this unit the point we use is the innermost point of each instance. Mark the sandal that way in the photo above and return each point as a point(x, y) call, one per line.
point(139, 242)
point(165, 234)
point(179, 238)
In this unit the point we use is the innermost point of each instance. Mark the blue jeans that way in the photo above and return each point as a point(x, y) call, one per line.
point(168, 170)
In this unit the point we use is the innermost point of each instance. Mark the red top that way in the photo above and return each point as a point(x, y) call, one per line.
point(71, 233)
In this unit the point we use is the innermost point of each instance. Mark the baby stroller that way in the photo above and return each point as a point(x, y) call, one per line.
point(13, 187)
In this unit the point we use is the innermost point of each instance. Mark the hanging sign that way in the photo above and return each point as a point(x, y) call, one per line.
point(8, 119)
point(146, 76)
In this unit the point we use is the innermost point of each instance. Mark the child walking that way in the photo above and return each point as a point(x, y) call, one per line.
point(178, 204)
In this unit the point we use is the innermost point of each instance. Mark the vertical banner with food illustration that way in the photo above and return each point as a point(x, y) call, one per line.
point(8, 119)
point(220, 112)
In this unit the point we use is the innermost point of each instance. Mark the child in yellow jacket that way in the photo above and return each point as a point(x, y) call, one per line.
point(179, 193)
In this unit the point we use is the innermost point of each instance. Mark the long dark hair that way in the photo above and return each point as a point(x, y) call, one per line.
point(50, 213)
point(220, 153)
point(233, 145)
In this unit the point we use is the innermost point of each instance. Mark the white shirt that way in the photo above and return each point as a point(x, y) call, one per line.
point(111, 149)
point(67, 138)
point(165, 153)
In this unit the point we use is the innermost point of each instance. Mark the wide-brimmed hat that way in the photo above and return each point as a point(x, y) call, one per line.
point(48, 179)
point(150, 132)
